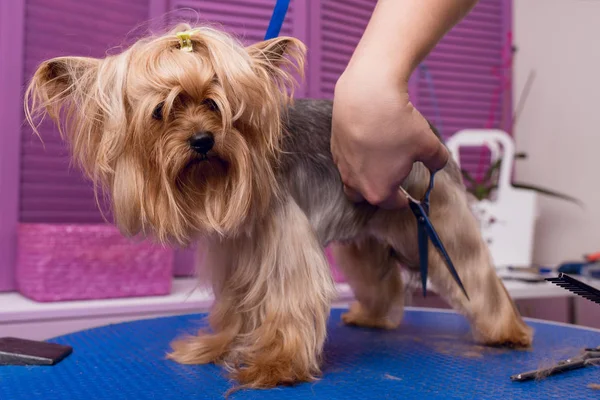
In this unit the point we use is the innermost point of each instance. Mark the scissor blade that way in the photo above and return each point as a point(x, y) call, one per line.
point(423, 256)
point(435, 239)
point(423, 241)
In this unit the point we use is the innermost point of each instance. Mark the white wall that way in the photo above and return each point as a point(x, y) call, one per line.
point(560, 124)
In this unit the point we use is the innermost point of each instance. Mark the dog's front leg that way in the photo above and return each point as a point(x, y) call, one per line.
point(272, 302)
point(283, 288)
point(214, 344)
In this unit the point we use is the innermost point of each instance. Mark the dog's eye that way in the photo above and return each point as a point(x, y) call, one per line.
point(211, 104)
point(158, 111)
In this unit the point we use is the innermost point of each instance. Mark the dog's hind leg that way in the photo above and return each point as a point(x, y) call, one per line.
point(493, 315)
point(374, 276)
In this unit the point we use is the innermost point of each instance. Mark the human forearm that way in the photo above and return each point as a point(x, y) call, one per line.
point(401, 33)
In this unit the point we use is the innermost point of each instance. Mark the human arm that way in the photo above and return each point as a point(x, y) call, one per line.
point(377, 133)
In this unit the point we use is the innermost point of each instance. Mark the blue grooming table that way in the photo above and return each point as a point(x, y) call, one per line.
point(431, 356)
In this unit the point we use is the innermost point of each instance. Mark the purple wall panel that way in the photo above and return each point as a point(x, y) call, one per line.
point(507, 100)
point(301, 29)
point(11, 71)
point(46, 190)
point(341, 25)
point(248, 19)
point(461, 67)
point(465, 69)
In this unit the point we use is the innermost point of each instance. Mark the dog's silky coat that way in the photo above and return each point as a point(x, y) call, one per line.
point(207, 144)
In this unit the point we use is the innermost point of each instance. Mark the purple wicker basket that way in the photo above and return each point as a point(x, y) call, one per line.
point(57, 262)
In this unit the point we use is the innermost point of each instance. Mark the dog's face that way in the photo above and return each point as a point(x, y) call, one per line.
point(183, 141)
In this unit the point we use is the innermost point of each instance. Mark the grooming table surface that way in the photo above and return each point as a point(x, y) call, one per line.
point(431, 356)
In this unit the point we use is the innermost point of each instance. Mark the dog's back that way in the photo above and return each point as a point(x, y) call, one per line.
point(309, 174)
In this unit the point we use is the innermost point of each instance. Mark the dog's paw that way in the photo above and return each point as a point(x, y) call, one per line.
point(272, 374)
point(358, 316)
point(516, 334)
point(520, 340)
point(201, 349)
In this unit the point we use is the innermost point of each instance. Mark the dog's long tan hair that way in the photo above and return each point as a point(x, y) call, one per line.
point(104, 108)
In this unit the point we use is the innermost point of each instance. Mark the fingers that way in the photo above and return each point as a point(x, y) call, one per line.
point(378, 190)
point(395, 199)
point(435, 156)
point(376, 150)
point(353, 195)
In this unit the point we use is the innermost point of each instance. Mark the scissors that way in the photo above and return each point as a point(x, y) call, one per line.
point(425, 231)
point(589, 357)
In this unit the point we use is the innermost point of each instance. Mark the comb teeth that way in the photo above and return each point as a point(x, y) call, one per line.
point(577, 287)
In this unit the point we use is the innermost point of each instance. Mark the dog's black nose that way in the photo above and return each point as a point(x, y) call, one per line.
point(202, 142)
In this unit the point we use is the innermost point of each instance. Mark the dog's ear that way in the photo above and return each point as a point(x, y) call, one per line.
point(277, 64)
point(276, 52)
point(55, 78)
point(64, 89)
point(54, 83)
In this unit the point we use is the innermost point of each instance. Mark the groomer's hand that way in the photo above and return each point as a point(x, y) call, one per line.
point(377, 135)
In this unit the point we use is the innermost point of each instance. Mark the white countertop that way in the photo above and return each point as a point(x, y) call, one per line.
point(185, 297)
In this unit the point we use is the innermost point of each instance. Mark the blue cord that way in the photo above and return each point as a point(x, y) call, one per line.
point(436, 108)
point(277, 18)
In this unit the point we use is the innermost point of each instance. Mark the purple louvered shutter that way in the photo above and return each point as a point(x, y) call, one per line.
point(464, 82)
point(456, 87)
point(335, 31)
point(246, 19)
point(461, 69)
point(53, 191)
point(11, 54)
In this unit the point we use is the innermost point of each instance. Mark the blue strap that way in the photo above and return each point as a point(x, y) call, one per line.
point(277, 18)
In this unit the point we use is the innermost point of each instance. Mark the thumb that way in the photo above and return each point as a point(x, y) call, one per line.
point(436, 158)
point(396, 201)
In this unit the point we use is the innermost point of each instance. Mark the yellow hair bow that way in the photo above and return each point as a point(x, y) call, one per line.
point(185, 40)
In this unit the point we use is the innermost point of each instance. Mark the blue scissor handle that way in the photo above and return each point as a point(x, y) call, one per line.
point(425, 201)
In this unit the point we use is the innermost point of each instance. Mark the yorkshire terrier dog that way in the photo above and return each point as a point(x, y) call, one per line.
point(195, 136)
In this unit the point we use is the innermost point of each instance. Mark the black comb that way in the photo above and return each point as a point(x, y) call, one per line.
point(577, 287)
